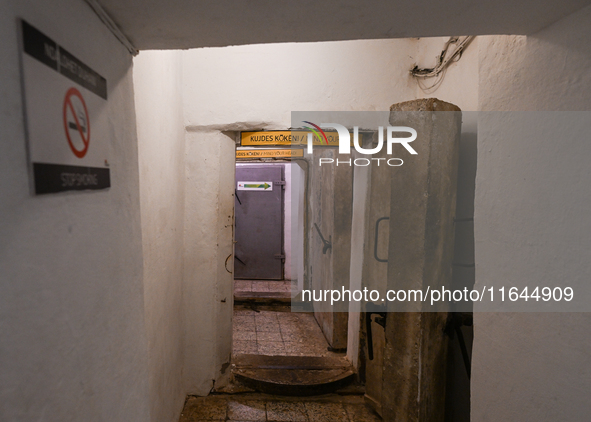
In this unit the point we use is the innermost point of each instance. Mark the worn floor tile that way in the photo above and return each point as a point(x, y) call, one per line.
point(306, 316)
point(253, 407)
point(291, 350)
point(289, 327)
point(308, 323)
point(265, 319)
point(268, 336)
point(294, 348)
point(267, 315)
point(244, 323)
point(245, 347)
point(361, 413)
point(239, 319)
point(286, 412)
point(260, 286)
point(246, 410)
point(326, 412)
point(288, 316)
point(279, 286)
point(268, 326)
point(296, 335)
point(271, 348)
point(204, 408)
point(245, 336)
point(299, 333)
point(244, 312)
point(242, 285)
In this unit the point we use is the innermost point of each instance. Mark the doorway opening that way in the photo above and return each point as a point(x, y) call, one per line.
point(274, 349)
point(267, 256)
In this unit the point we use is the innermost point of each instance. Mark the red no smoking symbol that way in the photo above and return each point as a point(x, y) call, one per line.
point(76, 122)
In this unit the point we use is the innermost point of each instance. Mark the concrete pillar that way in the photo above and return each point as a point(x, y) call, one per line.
point(422, 210)
point(375, 272)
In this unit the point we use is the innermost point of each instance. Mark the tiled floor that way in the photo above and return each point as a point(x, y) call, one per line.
point(262, 286)
point(278, 334)
point(260, 407)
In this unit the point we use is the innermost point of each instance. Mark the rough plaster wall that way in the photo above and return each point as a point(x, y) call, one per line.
point(263, 84)
point(460, 82)
point(533, 367)
point(73, 342)
point(208, 283)
point(161, 149)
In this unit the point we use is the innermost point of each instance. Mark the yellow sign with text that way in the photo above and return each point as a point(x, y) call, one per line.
point(269, 153)
point(285, 137)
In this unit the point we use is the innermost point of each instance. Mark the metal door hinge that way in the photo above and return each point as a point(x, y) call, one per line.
point(279, 256)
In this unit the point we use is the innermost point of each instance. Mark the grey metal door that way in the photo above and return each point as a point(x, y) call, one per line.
point(258, 253)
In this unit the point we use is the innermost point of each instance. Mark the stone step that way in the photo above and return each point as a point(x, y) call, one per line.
point(262, 297)
point(292, 375)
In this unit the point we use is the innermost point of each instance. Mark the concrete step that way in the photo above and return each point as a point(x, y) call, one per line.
point(292, 375)
point(262, 297)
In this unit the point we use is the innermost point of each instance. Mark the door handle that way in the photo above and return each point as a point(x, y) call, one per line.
point(375, 246)
point(380, 311)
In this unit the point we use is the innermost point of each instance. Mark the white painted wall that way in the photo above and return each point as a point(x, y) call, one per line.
point(73, 344)
point(459, 84)
point(533, 367)
point(208, 259)
point(260, 85)
point(161, 146)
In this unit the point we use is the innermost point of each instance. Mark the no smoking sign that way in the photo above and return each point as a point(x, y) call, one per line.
point(76, 122)
point(67, 117)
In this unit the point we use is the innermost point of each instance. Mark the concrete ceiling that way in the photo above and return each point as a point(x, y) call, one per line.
point(172, 24)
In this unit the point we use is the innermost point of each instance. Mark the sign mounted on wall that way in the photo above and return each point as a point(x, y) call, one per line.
point(66, 114)
point(283, 137)
point(265, 186)
point(268, 153)
point(288, 138)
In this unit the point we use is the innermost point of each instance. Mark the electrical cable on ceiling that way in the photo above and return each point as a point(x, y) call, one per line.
point(444, 60)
